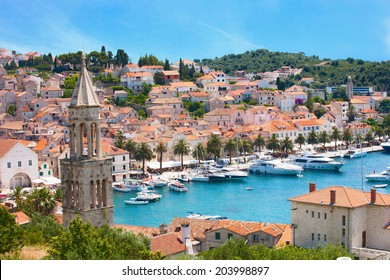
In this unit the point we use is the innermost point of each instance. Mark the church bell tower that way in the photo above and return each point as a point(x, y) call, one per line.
point(86, 174)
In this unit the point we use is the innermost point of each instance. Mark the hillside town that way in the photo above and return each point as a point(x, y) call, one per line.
point(40, 136)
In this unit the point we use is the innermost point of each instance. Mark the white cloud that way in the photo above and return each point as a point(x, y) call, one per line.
point(237, 42)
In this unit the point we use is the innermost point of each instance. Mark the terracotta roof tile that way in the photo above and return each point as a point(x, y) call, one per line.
point(167, 244)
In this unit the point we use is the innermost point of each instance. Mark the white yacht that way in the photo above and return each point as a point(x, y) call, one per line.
point(275, 167)
point(315, 161)
point(177, 186)
point(232, 173)
point(380, 177)
point(355, 153)
point(147, 195)
point(386, 146)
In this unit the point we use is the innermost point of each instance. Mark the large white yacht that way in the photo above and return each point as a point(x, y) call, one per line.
point(316, 161)
point(274, 166)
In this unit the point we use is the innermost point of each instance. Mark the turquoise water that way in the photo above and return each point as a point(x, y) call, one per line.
point(267, 202)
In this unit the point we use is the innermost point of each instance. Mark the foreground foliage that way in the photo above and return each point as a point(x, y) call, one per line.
point(238, 250)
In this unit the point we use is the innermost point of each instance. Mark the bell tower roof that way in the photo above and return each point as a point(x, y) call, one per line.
point(84, 94)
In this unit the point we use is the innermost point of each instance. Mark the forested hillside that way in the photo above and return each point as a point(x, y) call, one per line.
point(325, 71)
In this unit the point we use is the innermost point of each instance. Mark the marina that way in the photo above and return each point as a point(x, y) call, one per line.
point(267, 201)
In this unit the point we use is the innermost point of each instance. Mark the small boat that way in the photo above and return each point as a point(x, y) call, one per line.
point(147, 195)
point(249, 188)
point(379, 177)
point(355, 153)
point(299, 175)
point(177, 186)
point(380, 186)
point(158, 183)
point(183, 178)
point(135, 201)
point(119, 187)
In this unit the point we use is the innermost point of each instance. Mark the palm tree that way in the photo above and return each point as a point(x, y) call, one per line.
point(181, 148)
point(300, 140)
point(199, 153)
point(246, 147)
point(347, 136)
point(351, 113)
point(323, 138)
point(120, 139)
point(42, 201)
point(335, 136)
point(273, 143)
point(143, 152)
point(287, 145)
point(378, 131)
point(369, 137)
point(229, 147)
point(131, 147)
point(58, 194)
point(312, 137)
point(358, 139)
point(161, 149)
point(259, 142)
point(214, 145)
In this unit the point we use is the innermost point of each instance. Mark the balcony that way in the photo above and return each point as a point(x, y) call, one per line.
point(371, 254)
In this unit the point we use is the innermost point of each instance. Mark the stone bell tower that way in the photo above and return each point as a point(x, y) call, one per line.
point(349, 88)
point(86, 175)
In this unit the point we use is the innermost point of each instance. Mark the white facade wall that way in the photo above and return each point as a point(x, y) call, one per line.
point(21, 160)
point(120, 167)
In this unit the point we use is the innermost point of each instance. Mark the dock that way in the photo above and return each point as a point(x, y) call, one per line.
point(341, 153)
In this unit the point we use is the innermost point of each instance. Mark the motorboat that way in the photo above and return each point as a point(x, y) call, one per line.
point(355, 153)
point(379, 177)
point(380, 186)
point(120, 187)
point(386, 146)
point(147, 195)
point(184, 178)
point(177, 186)
point(309, 160)
point(233, 174)
point(158, 183)
point(199, 177)
point(136, 201)
point(249, 188)
point(134, 185)
point(275, 167)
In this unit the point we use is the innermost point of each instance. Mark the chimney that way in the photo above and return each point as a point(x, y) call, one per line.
point(373, 196)
point(163, 229)
point(332, 197)
point(185, 232)
point(312, 187)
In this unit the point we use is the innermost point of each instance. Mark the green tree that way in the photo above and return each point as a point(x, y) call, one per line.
point(42, 201)
point(335, 136)
point(131, 147)
point(143, 152)
point(41, 229)
point(11, 110)
point(199, 152)
point(319, 112)
point(351, 113)
point(181, 148)
point(159, 79)
point(229, 147)
point(384, 106)
point(214, 145)
point(246, 147)
point(273, 143)
point(300, 140)
point(84, 242)
point(259, 142)
point(287, 145)
point(312, 138)
point(10, 232)
point(369, 137)
point(120, 139)
point(323, 138)
point(166, 65)
point(70, 81)
point(347, 136)
point(161, 149)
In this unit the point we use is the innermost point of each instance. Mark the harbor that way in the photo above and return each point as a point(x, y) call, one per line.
point(266, 201)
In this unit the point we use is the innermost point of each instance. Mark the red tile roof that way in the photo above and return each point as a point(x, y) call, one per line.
point(168, 244)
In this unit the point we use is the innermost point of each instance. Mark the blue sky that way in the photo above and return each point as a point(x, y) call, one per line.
point(199, 29)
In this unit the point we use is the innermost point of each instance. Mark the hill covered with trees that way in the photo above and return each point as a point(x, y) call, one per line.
point(325, 71)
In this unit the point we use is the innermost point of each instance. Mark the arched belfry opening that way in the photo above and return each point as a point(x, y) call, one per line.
point(87, 176)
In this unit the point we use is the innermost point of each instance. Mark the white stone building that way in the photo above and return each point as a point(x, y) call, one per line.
point(357, 219)
point(18, 164)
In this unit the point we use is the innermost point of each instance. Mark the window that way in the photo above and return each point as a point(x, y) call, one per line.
point(124, 167)
point(41, 173)
point(113, 159)
point(113, 168)
point(325, 216)
point(319, 215)
point(45, 166)
point(325, 237)
point(343, 220)
point(19, 164)
point(312, 214)
point(30, 162)
point(49, 172)
point(8, 165)
point(319, 237)
point(230, 235)
point(124, 158)
point(218, 236)
point(256, 238)
point(307, 211)
point(312, 237)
